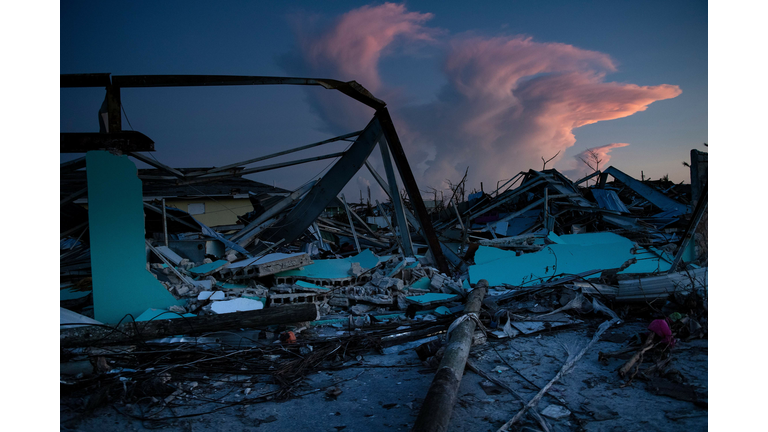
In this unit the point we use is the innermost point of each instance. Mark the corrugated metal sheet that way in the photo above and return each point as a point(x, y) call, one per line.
point(607, 199)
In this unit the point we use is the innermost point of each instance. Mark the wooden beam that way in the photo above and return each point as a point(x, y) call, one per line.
point(158, 328)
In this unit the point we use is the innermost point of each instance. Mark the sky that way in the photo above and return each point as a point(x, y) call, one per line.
point(492, 88)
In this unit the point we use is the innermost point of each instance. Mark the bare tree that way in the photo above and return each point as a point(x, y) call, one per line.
point(438, 205)
point(592, 160)
point(458, 189)
point(546, 161)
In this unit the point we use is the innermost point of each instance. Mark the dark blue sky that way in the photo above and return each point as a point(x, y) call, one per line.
point(650, 44)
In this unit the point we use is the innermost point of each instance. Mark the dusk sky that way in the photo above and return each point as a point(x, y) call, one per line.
point(494, 86)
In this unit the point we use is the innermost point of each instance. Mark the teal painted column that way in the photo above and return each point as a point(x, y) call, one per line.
point(121, 283)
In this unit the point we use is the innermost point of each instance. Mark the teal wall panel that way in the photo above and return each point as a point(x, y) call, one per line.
point(121, 283)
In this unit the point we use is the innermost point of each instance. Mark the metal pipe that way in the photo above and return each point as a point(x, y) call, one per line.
point(351, 224)
point(165, 225)
point(273, 155)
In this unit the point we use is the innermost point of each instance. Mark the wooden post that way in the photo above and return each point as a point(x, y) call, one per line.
point(160, 327)
point(437, 408)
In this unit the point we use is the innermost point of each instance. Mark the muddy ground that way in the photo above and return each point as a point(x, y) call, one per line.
point(384, 392)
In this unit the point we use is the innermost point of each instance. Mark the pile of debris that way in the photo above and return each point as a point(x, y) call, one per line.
point(307, 281)
point(313, 297)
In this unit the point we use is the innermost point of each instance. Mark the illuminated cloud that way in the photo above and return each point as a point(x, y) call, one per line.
point(579, 167)
point(352, 47)
point(508, 101)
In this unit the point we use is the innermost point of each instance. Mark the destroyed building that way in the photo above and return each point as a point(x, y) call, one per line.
point(159, 295)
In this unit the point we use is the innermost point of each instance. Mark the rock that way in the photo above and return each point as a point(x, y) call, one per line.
point(207, 261)
point(231, 257)
point(555, 412)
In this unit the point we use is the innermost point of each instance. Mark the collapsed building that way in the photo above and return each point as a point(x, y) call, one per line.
point(144, 261)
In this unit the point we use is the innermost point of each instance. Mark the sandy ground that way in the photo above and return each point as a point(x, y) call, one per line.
point(384, 392)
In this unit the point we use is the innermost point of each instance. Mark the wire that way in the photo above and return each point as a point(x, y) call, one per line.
point(126, 115)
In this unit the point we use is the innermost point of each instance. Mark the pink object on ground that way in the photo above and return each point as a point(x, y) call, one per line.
point(661, 328)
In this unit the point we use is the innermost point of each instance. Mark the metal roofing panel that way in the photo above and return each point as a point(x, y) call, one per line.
point(607, 199)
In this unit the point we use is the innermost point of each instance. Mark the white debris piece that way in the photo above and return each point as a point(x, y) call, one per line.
point(555, 412)
point(236, 305)
point(211, 295)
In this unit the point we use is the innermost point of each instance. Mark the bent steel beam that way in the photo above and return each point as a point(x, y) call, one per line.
point(350, 88)
point(398, 154)
point(293, 225)
point(655, 197)
point(394, 195)
point(274, 155)
point(125, 141)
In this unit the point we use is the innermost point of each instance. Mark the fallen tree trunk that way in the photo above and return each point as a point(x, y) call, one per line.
point(157, 328)
point(435, 413)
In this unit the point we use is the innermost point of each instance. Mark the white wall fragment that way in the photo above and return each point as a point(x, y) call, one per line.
point(236, 305)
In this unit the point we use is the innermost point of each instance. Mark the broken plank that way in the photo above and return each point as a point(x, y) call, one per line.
point(128, 332)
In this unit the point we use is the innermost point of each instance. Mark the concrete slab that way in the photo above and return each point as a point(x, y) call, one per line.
point(333, 268)
point(431, 298)
point(577, 253)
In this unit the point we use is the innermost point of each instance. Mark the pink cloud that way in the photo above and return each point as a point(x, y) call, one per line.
point(508, 101)
point(602, 153)
point(353, 47)
point(511, 101)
